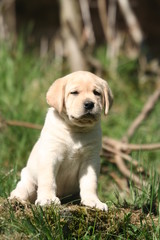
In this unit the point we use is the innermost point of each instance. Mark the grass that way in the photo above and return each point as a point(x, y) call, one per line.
point(24, 80)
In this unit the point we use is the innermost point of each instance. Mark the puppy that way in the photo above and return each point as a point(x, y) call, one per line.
point(65, 159)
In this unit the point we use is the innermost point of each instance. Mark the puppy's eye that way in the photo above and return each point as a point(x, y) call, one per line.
point(74, 93)
point(96, 93)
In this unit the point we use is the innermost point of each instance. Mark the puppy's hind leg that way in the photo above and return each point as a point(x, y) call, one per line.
point(25, 189)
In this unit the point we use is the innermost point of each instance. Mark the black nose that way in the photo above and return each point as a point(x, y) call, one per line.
point(88, 105)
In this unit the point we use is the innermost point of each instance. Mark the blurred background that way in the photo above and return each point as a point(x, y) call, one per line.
point(42, 40)
point(73, 29)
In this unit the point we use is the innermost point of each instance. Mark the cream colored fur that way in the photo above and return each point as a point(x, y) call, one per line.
point(65, 159)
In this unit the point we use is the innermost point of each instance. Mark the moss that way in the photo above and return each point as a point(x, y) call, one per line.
point(24, 221)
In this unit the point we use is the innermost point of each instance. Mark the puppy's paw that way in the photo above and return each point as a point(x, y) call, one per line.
point(91, 202)
point(48, 201)
point(20, 196)
point(13, 198)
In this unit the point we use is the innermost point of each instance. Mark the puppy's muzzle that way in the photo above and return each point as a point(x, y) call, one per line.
point(88, 105)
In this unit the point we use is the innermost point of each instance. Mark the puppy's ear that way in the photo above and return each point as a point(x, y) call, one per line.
point(108, 97)
point(55, 94)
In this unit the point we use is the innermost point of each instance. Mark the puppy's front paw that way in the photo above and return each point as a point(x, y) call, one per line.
point(91, 202)
point(10, 198)
point(47, 201)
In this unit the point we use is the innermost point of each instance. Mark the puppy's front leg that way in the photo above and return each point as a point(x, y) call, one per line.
point(47, 171)
point(88, 185)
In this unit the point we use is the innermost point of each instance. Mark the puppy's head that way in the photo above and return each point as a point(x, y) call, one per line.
point(81, 96)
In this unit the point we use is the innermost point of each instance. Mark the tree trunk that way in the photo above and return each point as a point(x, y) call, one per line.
point(7, 20)
point(71, 28)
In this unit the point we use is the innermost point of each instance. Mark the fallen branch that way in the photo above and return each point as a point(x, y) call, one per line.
point(126, 172)
point(121, 154)
point(16, 123)
point(120, 149)
point(148, 107)
point(126, 147)
point(119, 181)
point(23, 124)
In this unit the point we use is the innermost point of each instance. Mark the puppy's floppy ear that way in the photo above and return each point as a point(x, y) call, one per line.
point(108, 97)
point(55, 94)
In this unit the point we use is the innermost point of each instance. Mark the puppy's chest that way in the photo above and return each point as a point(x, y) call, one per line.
point(80, 149)
point(76, 151)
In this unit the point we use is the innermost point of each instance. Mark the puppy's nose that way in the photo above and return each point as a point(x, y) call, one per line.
point(88, 105)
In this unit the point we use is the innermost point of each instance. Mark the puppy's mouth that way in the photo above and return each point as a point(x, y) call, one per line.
point(87, 117)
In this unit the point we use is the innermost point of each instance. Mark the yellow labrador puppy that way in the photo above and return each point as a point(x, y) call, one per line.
point(65, 159)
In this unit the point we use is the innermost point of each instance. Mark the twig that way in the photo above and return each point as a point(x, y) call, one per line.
point(118, 157)
point(145, 147)
point(4, 122)
point(148, 107)
point(130, 147)
point(121, 154)
point(126, 172)
point(23, 124)
point(119, 182)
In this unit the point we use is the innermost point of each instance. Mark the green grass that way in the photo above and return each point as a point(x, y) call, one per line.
point(24, 80)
